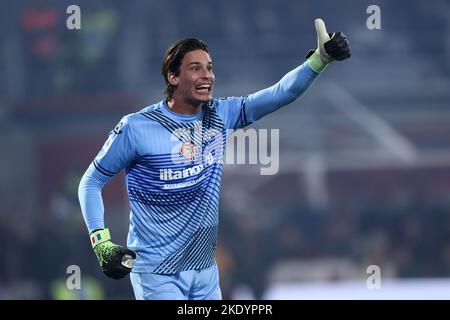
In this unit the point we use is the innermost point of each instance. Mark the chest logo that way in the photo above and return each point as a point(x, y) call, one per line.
point(189, 150)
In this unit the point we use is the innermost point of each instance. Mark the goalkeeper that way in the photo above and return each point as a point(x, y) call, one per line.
point(172, 153)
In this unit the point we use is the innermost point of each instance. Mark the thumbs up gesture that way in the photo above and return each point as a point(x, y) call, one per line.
point(330, 46)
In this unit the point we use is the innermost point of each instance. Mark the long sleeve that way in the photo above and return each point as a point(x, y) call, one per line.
point(238, 112)
point(289, 88)
point(117, 153)
point(90, 197)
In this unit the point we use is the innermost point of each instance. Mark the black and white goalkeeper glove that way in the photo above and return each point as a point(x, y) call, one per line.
point(330, 46)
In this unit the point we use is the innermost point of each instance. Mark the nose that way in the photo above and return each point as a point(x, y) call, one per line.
point(207, 74)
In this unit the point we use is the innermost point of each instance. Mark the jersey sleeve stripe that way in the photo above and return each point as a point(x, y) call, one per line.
point(103, 170)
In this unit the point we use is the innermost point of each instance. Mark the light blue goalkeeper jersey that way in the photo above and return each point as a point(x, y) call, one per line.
point(173, 166)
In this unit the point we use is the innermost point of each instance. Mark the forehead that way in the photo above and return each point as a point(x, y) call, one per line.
point(196, 56)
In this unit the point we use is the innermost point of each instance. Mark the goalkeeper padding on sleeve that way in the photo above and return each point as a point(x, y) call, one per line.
point(116, 261)
point(330, 46)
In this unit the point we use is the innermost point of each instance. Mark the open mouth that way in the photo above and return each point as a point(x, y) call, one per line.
point(204, 88)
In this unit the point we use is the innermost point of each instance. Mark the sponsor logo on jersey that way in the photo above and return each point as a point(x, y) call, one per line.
point(170, 174)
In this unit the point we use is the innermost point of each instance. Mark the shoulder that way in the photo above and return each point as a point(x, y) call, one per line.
point(133, 121)
point(223, 101)
point(134, 118)
point(228, 104)
point(151, 108)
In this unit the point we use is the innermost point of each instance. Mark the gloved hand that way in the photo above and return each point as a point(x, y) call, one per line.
point(330, 46)
point(116, 261)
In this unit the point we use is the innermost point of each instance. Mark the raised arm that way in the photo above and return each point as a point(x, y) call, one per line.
point(329, 47)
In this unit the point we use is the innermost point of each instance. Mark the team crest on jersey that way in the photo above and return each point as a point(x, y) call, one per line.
point(189, 150)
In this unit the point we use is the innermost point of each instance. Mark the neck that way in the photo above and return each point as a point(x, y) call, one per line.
point(184, 107)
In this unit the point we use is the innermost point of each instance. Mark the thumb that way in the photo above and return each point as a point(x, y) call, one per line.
point(131, 253)
point(321, 30)
point(127, 258)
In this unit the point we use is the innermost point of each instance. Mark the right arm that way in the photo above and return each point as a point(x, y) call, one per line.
point(90, 197)
point(117, 153)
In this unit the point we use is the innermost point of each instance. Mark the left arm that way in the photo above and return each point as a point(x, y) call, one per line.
point(289, 88)
point(238, 112)
point(329, 47)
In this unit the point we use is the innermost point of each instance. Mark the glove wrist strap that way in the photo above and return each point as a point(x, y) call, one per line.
point(99, 236)
point(315, 62)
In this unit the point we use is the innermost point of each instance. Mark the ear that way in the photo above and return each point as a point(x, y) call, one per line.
point(173, 79)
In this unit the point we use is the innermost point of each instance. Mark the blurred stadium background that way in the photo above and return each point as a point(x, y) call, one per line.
point(364, 156)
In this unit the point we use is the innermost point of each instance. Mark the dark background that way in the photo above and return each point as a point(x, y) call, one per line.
point(364, 155)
